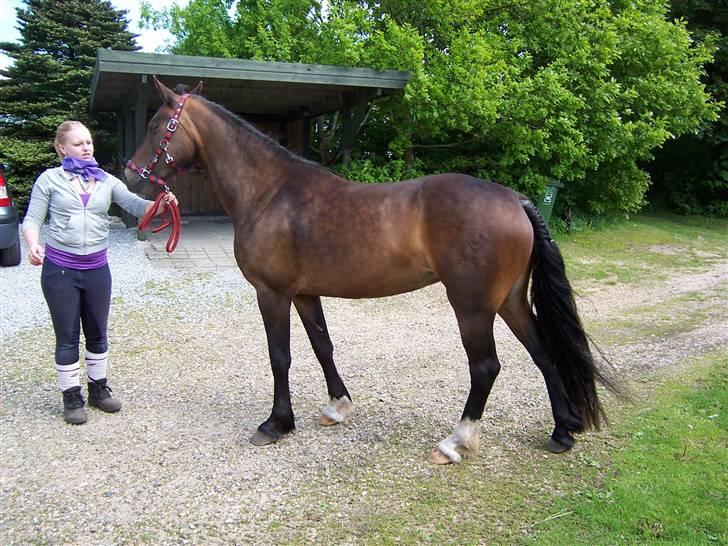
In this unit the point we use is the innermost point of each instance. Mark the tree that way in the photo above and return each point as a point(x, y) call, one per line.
point(50, 80)
point(691, 172)
point(521, 92)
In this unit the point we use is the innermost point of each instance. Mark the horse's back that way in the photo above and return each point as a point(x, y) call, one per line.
point(476, 233)
point(456, 189)
point(457, 203)
point(450, 225)
point(354, 240)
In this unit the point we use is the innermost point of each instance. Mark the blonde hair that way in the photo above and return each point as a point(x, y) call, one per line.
point(61, 132)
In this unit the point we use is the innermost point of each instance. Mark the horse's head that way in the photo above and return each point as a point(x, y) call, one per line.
point(168, 147)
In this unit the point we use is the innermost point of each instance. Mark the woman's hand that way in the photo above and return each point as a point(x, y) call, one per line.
point(35, 250)
point(169, 198)
point(35, 254)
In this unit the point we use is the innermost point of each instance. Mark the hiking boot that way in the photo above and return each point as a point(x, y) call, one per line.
point(99, 396)
point(73, 411)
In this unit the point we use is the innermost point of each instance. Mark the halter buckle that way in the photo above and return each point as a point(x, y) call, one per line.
point(169, 159)
point(172, 125)
point(144, 173)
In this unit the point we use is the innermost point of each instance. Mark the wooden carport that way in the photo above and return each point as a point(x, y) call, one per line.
point(279, 98)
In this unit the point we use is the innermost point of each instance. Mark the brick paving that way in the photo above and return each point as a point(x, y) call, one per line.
point(204, 243)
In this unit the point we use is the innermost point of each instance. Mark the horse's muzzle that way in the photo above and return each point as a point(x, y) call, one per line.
point(132, 180)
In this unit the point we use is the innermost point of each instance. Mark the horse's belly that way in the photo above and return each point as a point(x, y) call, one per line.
point(369, 280)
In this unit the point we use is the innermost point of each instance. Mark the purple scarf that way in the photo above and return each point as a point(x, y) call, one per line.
point(84, 167)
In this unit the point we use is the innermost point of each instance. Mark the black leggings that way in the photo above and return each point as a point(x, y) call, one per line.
point(77, 297)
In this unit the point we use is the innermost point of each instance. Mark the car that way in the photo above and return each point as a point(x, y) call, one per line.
point(9, 238)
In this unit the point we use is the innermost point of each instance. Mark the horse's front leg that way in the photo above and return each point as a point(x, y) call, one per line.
point(275, 309)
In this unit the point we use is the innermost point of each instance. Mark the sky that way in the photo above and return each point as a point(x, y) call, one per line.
point(149, 40)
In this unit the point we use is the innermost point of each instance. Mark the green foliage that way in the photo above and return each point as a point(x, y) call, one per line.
point(582, 91)
point(366, 170)
point(691, 172)
point(49, 81)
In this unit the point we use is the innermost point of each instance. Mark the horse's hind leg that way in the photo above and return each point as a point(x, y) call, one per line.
point(476, 330)
point(312, 315)
point(518, 316)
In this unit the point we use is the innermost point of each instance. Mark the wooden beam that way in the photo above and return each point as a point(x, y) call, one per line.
point(236, 69)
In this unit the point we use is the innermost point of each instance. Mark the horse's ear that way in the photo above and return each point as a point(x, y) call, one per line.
point(165, 92)
point(197, 89)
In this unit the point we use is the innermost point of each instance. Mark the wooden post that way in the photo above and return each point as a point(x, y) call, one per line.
point(127, 126)
point(128, 122)
point(306, 145)
point(120, 152)
point(140, 111)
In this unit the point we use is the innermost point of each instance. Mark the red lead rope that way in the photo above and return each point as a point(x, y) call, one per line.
point(175, 220)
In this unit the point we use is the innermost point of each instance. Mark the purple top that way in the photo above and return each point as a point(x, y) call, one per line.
point(85, 197)
point(76, 261)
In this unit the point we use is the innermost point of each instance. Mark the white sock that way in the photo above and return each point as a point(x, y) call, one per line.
point(96, 365)
point(68, 376)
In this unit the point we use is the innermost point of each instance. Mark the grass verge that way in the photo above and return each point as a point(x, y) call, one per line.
point(644, 249)
point(666, 482)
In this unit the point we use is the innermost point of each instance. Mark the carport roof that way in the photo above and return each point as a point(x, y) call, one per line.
point(250, 87)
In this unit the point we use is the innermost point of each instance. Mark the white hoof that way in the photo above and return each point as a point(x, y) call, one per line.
point(437, 457)
point(449, 450)
point(464, 442)
point(337, 410)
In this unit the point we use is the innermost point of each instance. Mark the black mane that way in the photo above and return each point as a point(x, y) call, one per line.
point(251, 131)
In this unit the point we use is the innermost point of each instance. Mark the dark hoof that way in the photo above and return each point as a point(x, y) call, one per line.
point(555, 446)
point(262, 439)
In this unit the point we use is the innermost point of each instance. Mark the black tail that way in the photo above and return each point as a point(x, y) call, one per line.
point(560, 326)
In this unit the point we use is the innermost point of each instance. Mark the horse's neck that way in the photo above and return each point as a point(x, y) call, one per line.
point(243, 167)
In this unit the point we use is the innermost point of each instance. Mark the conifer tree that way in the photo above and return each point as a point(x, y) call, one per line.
point(49, 81)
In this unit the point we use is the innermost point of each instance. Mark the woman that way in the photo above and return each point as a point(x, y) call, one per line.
point(76, 280)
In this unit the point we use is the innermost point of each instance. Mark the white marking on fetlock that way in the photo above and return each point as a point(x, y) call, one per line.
point(338, 409)
point(464, 441)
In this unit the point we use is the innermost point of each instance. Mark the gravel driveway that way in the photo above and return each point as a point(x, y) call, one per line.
point(188, 360)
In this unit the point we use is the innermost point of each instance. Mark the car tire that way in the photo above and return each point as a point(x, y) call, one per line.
point(10, 256)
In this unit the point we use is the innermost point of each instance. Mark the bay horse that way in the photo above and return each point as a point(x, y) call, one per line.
point(302, 232)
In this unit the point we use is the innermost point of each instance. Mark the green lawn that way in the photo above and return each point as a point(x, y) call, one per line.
point(666, 480)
